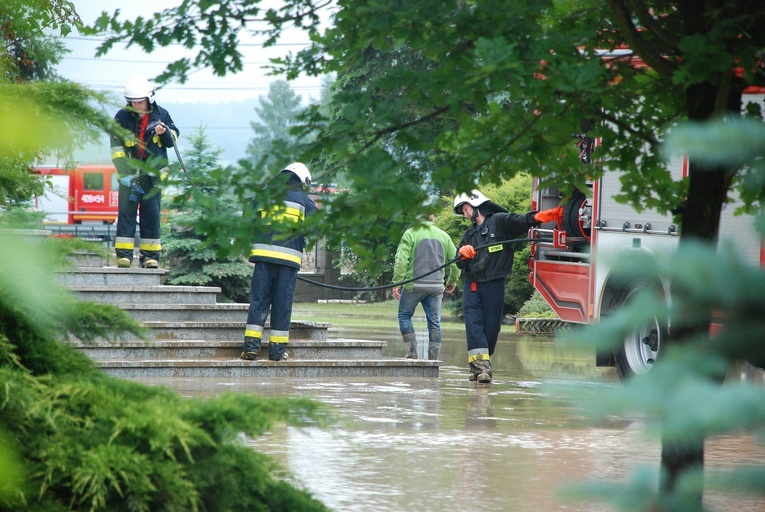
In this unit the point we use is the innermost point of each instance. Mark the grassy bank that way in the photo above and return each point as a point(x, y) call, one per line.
point(377, 314)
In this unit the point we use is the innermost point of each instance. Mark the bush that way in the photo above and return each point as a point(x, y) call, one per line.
point(86, 441)
point(536, 307)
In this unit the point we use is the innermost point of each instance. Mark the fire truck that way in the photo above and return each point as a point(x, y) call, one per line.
point(87, 194)
point(571, 265)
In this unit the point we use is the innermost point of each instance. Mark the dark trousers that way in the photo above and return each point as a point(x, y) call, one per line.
point(272, 289)
point(483, 308)
point(149, 204)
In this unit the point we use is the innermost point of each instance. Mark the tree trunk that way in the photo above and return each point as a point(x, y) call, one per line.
point(707, 192)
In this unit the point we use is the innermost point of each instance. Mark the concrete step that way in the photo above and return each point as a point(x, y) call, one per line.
point(293, 368)
point(226, 312)
point(227, 330)
point(86, 259)
point(336, 349)
point(191, 335)
point(110, 276)
point(148, 294)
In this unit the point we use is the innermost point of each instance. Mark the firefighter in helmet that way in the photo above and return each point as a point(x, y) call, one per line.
point(139, 153)
point(277, 260)
point(484, 271)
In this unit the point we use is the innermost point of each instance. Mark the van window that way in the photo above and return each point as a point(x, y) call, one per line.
point(114, 184)
point(92, 181)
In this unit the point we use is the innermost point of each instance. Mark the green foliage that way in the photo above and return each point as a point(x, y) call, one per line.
point(39, 114)
point(737, 143)
point(702, 278)
point(435, 96)
point(192, 262)
point(20, 216)
point(11, 475)
point(86, 441)
point(42, 118)
point(100, 443)
point(278, 113)
point(32, 305)
point(369, 261)
point(536, 307)
point(26, 53)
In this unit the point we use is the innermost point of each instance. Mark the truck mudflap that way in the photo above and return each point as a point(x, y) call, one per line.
point(562, 284)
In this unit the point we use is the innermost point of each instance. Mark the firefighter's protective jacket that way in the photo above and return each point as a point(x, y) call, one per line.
point(142, 143)
point(495, 261)
point(271, 245)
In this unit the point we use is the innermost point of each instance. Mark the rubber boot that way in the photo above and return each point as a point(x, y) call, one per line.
point(250, 348)
point(480, 371)
point(277, 352)
point(434, 349)
point(410, 340)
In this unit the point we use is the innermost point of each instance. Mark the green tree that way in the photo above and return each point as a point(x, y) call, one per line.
point(27, 54)
point(83, 440)
point(38, 115)
point(514, 81)
point(72, 438)
point(520, 80)
point(191, 261)
point(278, 113)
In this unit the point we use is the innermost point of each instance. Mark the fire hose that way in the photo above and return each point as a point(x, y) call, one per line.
point(411, 279)
point(178, 156)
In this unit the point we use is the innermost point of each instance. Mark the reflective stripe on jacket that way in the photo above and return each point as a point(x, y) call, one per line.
point(494, 261)
point(277, 249)
point(126, 147)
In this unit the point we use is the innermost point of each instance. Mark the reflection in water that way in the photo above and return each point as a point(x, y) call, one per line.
point(450, 445)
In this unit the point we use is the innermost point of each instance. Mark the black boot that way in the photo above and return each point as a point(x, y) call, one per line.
point(251, 348)
point(277, 351)
point(434, 349)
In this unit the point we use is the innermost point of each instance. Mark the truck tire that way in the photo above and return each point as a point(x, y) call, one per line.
point(640, 347)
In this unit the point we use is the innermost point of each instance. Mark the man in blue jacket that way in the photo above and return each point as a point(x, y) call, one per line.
point(277, 260)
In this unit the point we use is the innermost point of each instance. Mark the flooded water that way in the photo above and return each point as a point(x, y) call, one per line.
point(447, 444)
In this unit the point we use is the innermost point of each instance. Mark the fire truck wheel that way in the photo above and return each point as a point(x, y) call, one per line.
point(641, 346)
point(571, 222)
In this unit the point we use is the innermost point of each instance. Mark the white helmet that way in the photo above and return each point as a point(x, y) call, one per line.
point(301, 171)
point(475, 199)
point(139, 88)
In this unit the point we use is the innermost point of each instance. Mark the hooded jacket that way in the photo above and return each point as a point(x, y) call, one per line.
point(423, 248)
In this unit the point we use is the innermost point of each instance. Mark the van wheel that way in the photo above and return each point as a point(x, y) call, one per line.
point(641, 347)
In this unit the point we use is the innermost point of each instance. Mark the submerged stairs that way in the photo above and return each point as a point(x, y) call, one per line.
point(191, 335)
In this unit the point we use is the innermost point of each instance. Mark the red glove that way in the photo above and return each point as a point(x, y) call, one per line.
point(555, 214)
point(467, 252)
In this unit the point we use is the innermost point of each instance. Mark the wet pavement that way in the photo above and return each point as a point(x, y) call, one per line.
point(447, 444)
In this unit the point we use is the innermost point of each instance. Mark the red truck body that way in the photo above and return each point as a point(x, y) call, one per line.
point(571, 264)
point(86, 194)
